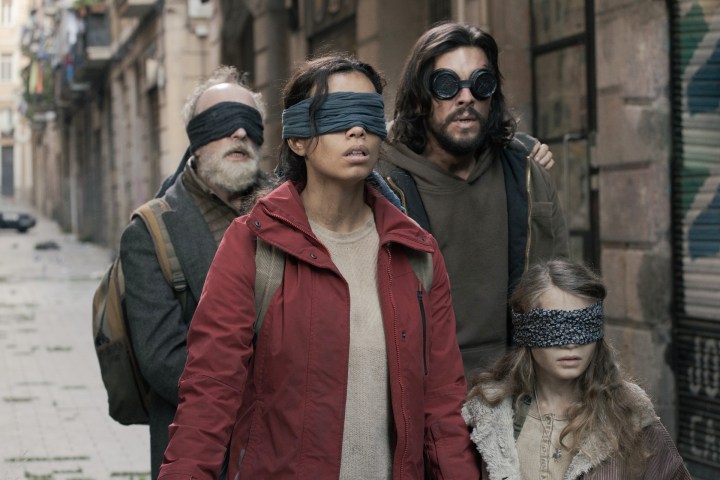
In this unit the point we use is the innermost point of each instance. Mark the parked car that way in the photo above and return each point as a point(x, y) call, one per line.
point(17, 220)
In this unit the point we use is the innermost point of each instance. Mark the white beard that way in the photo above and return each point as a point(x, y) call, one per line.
point(232, 176)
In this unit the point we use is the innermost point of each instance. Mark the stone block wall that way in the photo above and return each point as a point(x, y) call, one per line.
point(632, 152)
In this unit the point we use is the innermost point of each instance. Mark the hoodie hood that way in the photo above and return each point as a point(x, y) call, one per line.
point(419, 166)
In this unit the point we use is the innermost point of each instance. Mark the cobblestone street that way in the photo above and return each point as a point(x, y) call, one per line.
point(53, 406)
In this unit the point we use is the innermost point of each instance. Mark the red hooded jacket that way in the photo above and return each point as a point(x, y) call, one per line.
point(280, 404)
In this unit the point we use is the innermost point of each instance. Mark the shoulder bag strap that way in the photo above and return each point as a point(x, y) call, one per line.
point(151, 213)
point(269, 270)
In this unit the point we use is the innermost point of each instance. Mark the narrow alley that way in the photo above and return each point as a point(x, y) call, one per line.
point(53, 406)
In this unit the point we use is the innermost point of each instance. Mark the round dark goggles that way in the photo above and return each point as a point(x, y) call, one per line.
point(445, 84)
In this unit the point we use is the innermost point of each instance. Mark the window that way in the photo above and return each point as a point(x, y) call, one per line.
point(6, 123)
point(6, 67)
point(6, 12)
point(565, 111)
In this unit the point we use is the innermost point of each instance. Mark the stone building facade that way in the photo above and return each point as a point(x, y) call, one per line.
point(15, 150)
point(604, 82)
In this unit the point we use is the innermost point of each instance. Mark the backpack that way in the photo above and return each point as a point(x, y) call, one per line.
point(128, 392)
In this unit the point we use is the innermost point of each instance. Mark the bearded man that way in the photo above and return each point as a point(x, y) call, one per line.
point(465, 175)
point(220, 181)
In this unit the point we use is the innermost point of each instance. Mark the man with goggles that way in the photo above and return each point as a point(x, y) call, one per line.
point(464, 174)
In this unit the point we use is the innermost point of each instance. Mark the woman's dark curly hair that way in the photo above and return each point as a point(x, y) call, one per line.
point(311, 79)
point(413, 103)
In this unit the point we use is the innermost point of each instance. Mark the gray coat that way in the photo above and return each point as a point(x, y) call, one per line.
point(157, 325)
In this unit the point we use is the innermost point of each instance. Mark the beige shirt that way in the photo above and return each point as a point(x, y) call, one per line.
point(366, 449)
point(539, 450)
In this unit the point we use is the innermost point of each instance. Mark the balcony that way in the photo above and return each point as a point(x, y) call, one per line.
point(39, 89)
point(88, 61)
point(134, 8)
point(98, 52)
point(71, 87)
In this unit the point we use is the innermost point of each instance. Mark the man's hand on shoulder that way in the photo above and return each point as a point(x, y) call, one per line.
point(542, 155)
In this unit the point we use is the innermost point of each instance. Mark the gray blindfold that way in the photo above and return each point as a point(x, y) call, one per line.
point(552, 328)
point(221, 120)
point(338, 112)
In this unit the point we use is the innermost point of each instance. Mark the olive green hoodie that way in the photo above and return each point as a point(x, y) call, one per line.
point(472, 221)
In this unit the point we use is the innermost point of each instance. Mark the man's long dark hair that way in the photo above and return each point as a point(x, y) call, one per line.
point(413, 103)
point(311, 79)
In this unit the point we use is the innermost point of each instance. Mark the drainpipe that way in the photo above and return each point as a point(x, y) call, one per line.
point(461, 11)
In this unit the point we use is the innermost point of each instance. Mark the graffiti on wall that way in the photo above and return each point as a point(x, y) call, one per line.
point(699, 148)
point(704, 373)
point(700, 62)
point(700, 385)
point(703, 94)
point(703, 438)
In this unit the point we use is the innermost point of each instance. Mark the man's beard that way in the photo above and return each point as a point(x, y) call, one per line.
point(232, 176)
point(452, 145)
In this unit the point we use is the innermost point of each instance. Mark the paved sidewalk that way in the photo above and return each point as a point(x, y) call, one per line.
point(53, 406)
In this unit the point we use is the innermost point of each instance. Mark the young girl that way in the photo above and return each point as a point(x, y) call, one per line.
point(557, 406)
point(356, 372)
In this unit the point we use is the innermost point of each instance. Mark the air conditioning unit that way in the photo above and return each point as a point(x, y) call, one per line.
point(199, 9)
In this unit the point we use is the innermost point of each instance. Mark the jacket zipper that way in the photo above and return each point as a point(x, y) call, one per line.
point(529, 219)
point(398, 191)
point(422, 315)
point(403, 409)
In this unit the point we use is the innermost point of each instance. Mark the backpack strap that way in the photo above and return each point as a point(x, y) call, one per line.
point(151, 214)
point(404, 186)
point(524, 142)
point(269, 270)
point(516, 168)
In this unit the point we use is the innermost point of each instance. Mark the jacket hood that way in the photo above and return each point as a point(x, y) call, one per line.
point(492, 433)
point(402, 156)
point(280, 219)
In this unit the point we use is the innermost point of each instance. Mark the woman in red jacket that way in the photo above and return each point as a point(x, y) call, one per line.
point(356, 372)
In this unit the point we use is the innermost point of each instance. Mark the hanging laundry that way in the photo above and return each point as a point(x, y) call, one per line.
point(39, 83)
point(32, 78)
